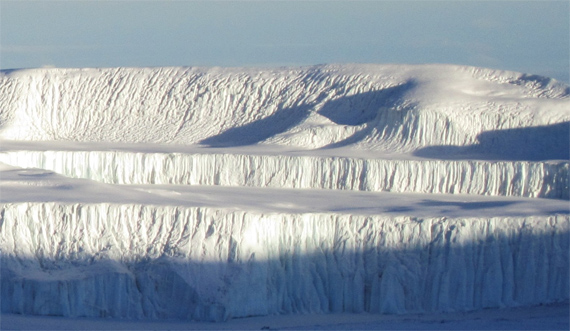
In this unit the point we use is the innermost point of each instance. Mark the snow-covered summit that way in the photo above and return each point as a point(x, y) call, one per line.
point(396, 108)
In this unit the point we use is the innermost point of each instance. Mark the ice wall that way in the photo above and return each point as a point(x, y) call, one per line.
point(427, 125)
point(385, 107)
point(521, 178)
point(212, 264)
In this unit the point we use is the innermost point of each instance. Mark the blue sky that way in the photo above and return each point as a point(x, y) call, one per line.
point(526, 36)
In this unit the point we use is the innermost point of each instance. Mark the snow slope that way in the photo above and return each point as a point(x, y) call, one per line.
point(390, 107)
point(215, 193)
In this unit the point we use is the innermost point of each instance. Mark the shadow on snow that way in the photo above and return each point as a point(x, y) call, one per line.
point(351, 110)
point(548, 142)
point(498, 269)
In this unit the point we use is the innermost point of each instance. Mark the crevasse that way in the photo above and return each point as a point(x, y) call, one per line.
point(210, 264)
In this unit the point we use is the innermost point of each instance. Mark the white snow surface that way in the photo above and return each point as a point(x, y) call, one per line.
point(545, 317)
point(378, 107)
point(211, 194)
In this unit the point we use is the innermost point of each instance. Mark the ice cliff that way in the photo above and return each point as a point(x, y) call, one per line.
point(520, 178)
point(201, 263)
point(212, 193)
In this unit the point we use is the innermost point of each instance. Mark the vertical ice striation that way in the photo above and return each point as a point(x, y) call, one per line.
point(430, 129)
point(508, 178)
point(212, 264)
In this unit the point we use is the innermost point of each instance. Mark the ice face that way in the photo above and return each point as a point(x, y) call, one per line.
point(139, 227)
point(212, 264)
point(521, 178)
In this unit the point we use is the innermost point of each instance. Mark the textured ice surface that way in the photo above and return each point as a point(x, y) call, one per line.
point(274, 191)
point(505, 178)
point(382, 107)
point(202, 263)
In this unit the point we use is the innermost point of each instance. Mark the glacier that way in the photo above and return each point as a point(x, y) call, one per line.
point(216, 193)
point(381, 107)
point(516, 178)
point(211, 264)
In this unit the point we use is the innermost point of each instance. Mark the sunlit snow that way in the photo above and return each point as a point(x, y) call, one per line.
point(211, 194)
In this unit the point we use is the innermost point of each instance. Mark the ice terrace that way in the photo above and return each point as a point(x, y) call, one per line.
point(213, 193)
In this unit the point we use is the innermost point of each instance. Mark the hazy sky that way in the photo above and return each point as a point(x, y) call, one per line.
point(527, 36)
